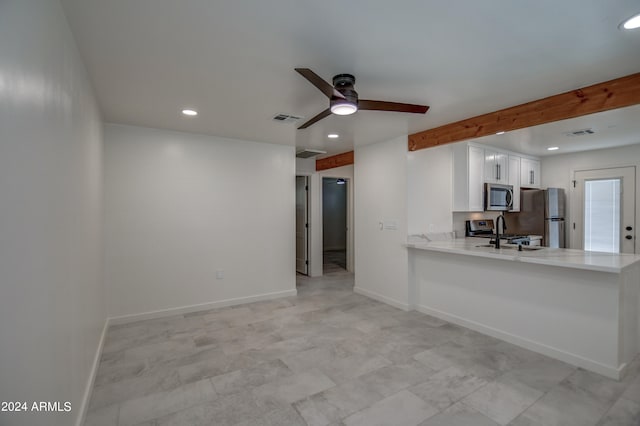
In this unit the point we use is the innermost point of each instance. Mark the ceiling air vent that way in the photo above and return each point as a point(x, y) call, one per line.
point(286, 118)
point(308, 153)
point(581, 132)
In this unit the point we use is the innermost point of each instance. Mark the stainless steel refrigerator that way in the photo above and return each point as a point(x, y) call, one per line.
point(541, 213)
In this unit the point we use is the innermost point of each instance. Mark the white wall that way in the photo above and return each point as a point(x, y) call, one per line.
point(52, 309)
point(557, 171)
point(429, 197)
point(179, 207)
point(305, 166)
point(381, 261)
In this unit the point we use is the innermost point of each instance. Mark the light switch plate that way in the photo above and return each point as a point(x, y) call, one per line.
point(391, 225)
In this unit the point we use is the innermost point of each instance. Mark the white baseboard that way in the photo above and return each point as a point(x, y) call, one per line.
point(84, 405)
point(381, 298)
point(124, 319)
point(589, 364)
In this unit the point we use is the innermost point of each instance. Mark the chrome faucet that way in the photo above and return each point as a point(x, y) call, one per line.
point(504, 226)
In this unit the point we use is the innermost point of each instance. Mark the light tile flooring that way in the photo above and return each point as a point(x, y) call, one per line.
point(334, 261)
point(332, 357)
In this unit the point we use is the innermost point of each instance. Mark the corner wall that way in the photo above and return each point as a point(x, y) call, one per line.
point(381, 260)
point(181, 207)
point(429, 190)
point(52, 310)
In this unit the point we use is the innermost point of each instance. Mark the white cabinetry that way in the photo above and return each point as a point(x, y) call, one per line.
point(529, 173)
point(514, 179)
point(468, 178)
point(495, 166)
point(475, 164)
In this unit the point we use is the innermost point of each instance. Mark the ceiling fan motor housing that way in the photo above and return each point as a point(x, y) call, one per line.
point(343, 83)
point(343, 80)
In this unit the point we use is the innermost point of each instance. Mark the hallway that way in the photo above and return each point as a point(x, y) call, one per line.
point(334, 261)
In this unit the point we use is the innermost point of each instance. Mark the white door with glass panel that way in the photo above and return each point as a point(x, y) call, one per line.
point(302, 224)
point(604, 210)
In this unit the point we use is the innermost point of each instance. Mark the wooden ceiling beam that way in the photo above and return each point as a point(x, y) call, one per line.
point(338, 160)
point(618, 93)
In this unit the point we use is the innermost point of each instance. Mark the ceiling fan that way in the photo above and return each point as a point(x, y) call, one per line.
point(343, 99)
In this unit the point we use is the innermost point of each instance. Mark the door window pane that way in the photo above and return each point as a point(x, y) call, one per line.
point(602, 215)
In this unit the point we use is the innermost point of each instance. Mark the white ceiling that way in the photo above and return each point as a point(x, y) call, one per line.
point(234, 61)
point(610, 128)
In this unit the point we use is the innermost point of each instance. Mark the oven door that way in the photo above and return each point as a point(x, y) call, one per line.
point(498, 197)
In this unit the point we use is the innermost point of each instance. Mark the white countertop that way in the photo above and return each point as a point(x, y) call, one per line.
point(566, 258)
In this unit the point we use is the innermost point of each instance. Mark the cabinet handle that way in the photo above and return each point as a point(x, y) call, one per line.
point(530, 177)
point(497, 171)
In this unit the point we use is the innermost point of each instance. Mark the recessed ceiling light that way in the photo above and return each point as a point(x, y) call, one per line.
point(333, 136)
point(190, 112)
point(631, 23)
point(500, 132)
point(553, 148)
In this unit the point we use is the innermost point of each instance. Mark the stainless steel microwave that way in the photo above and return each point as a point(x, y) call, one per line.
point(498, 197)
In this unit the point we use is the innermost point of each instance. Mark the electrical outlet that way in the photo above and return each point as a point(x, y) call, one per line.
point(219, 274)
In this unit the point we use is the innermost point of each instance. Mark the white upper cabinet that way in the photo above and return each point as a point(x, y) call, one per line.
point(514, 179)
point(475, 164)
point(468, 178)
point(529, 173)
point(495, 166)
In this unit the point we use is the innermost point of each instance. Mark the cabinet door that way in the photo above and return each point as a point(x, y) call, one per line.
point(476, 183)
point(530, 173)
point(535, 172)
point(495, 166)
point(525, 173)
point(502, 167)
point(490, 168)
point(514, 179)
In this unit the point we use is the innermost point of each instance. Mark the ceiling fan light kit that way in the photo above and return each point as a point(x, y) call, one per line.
point(631, 23)
point(343, 98)
point(343, 107)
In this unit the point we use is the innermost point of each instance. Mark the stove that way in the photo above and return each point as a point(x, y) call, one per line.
point(485, 228)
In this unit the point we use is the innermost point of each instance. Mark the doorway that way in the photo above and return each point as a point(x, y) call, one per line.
point(334, 224)
point(302, 224)
point(604, 218)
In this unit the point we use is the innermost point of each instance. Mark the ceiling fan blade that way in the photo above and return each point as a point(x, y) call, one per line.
point(317, 81)
point(323, 114)
point(391, 106)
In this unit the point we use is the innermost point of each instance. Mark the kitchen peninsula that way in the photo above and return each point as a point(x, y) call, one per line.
point(576, 306)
